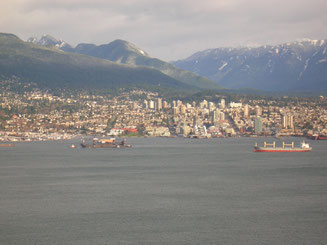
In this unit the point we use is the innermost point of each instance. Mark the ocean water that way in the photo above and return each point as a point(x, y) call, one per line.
point(163, 191)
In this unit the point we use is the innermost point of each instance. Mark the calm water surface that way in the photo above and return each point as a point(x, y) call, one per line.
point(162, 191)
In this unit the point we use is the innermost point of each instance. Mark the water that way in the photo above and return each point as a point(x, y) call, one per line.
point(162, 191)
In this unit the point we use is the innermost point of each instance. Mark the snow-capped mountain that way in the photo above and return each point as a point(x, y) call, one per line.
point(47, 40)
point(51, 68)
point(297, 66)
point(123, 52)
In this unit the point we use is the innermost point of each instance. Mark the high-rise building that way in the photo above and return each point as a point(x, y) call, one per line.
point(222, 104)
point(195, 121)
point(215, 117)
point(165, 104)
point(151, 104)
point(211, 106)
point(258, 111)
point(288, 121)
point(182, 109)
point(145, 104)
point(159, 104)
point(246, 110)
point(221, 115)
point(205, 103)
point(257, 125)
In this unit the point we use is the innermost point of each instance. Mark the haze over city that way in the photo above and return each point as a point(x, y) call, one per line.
point(168, 30)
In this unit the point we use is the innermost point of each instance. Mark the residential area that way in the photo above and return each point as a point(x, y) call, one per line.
point(37, 115)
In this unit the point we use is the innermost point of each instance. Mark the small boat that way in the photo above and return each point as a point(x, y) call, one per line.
point(271, 147)
point(317, 137)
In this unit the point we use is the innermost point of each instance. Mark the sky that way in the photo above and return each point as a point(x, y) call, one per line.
point(167, 29)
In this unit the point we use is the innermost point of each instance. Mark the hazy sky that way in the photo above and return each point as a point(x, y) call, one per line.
point(167, 29)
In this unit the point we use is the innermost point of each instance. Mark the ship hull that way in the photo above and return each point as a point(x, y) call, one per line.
point(262, 149)
point(108, 145)
point(99, 146)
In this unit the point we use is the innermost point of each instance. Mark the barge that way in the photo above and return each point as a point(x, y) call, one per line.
point(105, 143)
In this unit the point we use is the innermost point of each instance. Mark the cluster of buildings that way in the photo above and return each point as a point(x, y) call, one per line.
point(39, 115)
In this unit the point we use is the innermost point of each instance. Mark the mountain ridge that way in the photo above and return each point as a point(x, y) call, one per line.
point(123, 52)
point(51, 67)
point(296, 66)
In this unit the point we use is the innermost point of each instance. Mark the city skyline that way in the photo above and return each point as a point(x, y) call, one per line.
point(144, 113)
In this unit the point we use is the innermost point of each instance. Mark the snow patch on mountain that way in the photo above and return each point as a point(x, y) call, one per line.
point(322, 61)
point(287, 66)
point(32, 40)
point(46, 40)
point(223, 66)
point(141, 52)
point(270, 66)
point(305, 67)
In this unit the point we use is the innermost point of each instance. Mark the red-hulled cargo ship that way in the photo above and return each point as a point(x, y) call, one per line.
point(284, 148)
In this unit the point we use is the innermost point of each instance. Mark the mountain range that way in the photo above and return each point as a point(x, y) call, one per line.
point(123, 52)
point(296, 66)
point(50, 67)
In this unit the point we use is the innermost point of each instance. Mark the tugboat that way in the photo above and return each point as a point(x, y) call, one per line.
point(6, 145)
point(317, 137)
point(105, 143)
point(285, 147)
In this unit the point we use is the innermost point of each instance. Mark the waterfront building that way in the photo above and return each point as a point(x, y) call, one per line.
point(215, 117)
point(195, 121)
point(287, 121)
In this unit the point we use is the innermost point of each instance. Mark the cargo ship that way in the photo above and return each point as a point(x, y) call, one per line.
point(284, 148)
point(105, 143)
